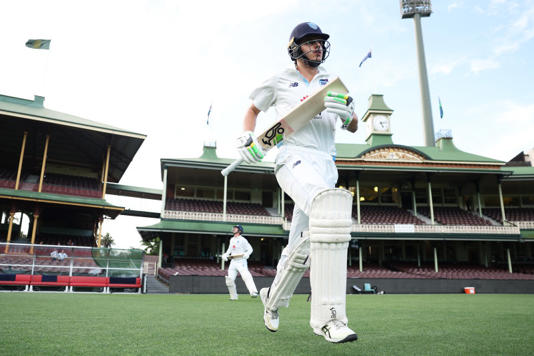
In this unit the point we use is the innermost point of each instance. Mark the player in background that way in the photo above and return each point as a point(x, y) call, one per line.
point(305, 169)
point(239, 250)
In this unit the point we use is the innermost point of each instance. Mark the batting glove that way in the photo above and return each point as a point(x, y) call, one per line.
point(225, 257)
point(248, 148)
point(341, 105)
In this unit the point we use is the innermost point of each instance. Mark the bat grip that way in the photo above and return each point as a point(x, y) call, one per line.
point(231, 167)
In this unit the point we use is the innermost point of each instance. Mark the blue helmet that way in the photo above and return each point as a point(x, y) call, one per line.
point(240, 228)
point(302, 33)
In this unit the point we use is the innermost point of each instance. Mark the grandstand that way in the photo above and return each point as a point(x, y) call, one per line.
point(55, 172)
point(420, 214)
point(434, 217)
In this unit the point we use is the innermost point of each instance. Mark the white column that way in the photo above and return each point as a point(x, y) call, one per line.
point(160, 253)
point(501, 202)
point(414, 203)
point(430, 202)
point(509, 260)
point(479, 204)
point(358, 200)
point(360, 257)
point(164, 192)
point(224, 196)
point(222, 252)
point(436, 259)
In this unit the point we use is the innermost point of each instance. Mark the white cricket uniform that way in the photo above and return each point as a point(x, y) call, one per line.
point(305, 161)
point(240, 246)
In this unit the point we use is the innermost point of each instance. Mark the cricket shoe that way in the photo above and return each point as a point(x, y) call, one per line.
point(336, 331)
point(270, 317)
point(254, 295)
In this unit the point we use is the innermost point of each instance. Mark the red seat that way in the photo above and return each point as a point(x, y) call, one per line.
point(86, 281)
point(62, 281)
point(19, 280)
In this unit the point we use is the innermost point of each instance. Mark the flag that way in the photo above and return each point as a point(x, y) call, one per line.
point(440, 109)
point(209, 112)
point(367, 56)
point(38, 44)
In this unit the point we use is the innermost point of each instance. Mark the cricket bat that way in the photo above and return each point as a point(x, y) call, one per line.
point(293, 121)
point(236, 256)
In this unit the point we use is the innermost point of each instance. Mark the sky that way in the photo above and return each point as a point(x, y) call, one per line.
point(155, 67)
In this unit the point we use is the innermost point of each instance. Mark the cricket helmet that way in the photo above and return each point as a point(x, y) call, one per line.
point(303, 33)
point(240, 228)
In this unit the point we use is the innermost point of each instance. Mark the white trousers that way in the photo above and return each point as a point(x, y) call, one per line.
point(303, 173)
point(241, 266)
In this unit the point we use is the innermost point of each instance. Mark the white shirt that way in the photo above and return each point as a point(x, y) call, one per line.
point(239, 246)
point(286, 90)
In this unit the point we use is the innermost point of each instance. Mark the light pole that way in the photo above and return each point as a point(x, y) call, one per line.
point(416, 9)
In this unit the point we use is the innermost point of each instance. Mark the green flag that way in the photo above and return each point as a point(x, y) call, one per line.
point(38, 44)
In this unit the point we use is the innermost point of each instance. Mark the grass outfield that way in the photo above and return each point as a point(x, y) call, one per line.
point(92, 324)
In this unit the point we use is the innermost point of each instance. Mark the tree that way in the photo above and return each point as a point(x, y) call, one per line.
point(107, 240)
point(151, 246)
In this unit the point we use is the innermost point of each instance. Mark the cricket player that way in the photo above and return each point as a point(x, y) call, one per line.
point(238, 252)
point(305, 169)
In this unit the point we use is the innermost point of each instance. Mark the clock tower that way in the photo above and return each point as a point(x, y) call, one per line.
point(377, 117)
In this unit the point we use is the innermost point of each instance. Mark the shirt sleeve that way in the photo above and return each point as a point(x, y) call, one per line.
point(264, 96)
point(248, 250)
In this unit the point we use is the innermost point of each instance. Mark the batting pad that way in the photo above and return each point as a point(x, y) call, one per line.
point(231, 287)
point(330, 225)
point(288, 278)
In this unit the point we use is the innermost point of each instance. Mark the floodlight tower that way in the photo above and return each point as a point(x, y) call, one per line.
point(416, 9)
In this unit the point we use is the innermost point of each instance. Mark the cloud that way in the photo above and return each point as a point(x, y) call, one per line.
point(479, 65)
point(446, 67)
point(452, 6)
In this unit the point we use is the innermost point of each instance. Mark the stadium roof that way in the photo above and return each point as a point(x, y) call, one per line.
point(61, 199)
point(88, 138)
point(132, 191)
point(210, 227)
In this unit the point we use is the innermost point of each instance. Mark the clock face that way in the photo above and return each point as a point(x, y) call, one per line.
point(381, 123)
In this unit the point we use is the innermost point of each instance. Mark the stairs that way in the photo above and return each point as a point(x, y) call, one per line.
point(155, 286)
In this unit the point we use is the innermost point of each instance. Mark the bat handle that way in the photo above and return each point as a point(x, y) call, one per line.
point(231, 167)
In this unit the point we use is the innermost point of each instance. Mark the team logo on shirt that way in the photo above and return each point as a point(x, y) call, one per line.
point(293, 84)
point(323, 81)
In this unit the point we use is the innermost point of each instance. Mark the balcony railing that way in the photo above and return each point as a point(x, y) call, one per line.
point(380, 228)
point(193, 215)
point(439, 229)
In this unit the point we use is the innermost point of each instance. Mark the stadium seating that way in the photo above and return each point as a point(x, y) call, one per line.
point(453, 216)
point(512, 214)
point(70, 185)
point(370, 214)
point(212, 206)
point(7, 178)
point(396, 271)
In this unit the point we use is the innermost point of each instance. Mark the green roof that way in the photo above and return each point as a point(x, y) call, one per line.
point(519, 173)
point(34, 110)
point(133, 191)
point(209, 159)
point(209, 227)
point(445, 150)
point(61, 199)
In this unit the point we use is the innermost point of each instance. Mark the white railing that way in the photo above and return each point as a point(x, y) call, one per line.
point(442, 229)
point(524, 224)
point(193, 215)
